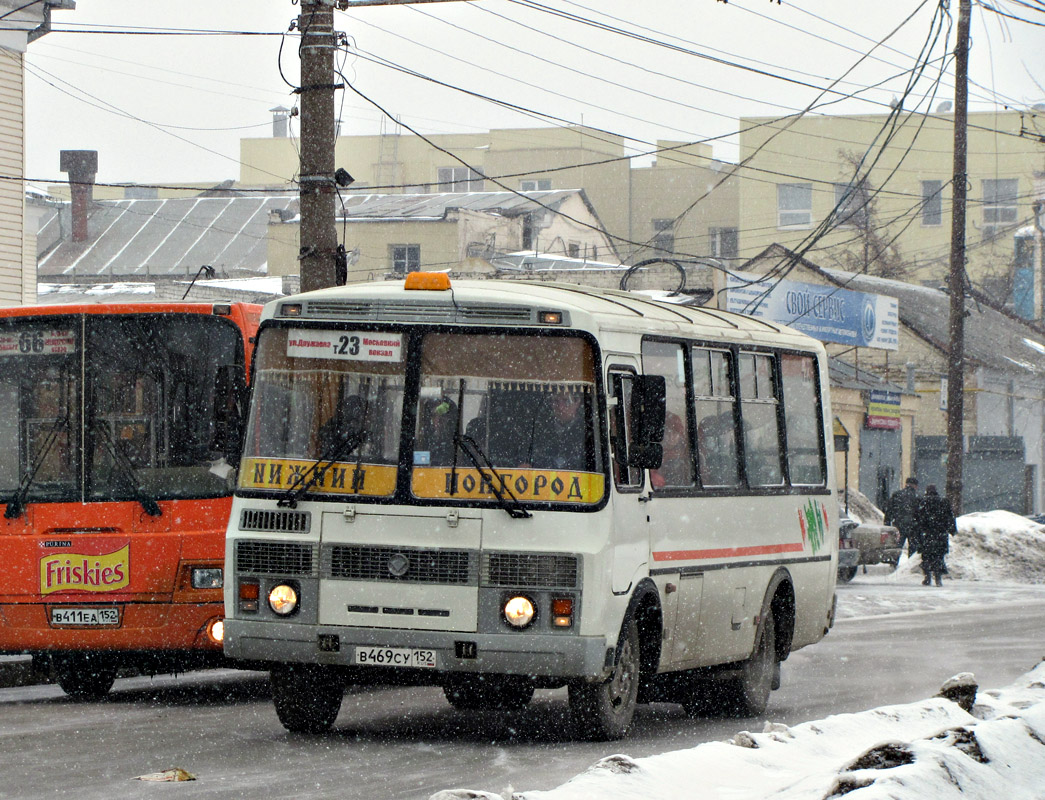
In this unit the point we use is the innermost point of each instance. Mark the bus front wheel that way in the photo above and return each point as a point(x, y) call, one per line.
point(84, 676)
point(307, 698)
point(603, 711)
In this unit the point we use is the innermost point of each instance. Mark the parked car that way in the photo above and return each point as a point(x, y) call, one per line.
point(848, 553)
point(873, 542)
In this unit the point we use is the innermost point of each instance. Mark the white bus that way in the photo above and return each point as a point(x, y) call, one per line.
point(498, 486)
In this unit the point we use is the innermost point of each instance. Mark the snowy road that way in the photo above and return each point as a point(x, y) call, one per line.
point(408, 743)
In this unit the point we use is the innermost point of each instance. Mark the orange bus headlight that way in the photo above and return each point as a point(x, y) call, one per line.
point(519, 611)
point(207, 578)
point(283, 599)
point(216, 630)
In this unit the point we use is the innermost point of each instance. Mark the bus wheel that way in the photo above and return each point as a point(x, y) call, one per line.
point(748, 694)
point(603, 711)
point(84, 676)
point(496, 692)
point(846, 574)
point(307, 698)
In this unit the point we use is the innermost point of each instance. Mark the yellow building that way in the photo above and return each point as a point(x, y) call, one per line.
point(681, 202)
point(896, 222)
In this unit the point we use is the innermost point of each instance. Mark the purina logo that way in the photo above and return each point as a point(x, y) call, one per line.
point(65, 572)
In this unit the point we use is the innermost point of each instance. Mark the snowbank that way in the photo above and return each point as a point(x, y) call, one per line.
point(932, 748)
point(991, 546)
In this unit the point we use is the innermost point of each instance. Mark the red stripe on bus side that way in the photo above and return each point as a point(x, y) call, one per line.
point(727, 552)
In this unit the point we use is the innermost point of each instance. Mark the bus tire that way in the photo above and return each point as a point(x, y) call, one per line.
point(84, 676)
point(748, 694)
point(603, 711)
point(846, 574)
point(492, 692)
point(307, 698)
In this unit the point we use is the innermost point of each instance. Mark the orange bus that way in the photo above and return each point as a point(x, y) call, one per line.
point(119, 424)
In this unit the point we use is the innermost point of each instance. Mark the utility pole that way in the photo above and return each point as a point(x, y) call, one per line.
point(318, 254)
point(956, 278)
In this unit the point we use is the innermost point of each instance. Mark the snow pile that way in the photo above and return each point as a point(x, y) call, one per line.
point(862, 509)
point(991, 546)
point(931, 748)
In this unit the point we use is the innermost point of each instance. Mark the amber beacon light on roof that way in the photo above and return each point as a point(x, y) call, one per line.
point(427, 281)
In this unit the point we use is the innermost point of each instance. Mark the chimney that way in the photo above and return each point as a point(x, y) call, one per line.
point(280, 122)
point(82, 166)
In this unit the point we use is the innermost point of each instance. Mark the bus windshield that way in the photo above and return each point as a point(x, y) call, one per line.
point(113, 407)
point(525, 405)
point(328, 414)
point(314, 392)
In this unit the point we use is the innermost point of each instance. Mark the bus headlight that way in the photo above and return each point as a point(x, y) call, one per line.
point(519, 611)
point(283, 599)
point(216, 630)
point(207, 578)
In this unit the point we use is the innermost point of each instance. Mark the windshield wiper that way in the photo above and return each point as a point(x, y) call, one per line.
point(16, 505)
point(509, 502)
point(125, 470)
point(342, 447)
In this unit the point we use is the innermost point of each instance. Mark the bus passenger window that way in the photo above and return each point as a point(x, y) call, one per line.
point(805, 454)
point(668, 359)
point(716, 427)
point(758, 409)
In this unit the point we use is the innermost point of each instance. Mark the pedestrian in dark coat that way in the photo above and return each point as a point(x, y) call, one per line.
point(936, 520)
point(902, 512)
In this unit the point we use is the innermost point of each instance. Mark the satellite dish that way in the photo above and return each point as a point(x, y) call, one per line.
point(944, 107)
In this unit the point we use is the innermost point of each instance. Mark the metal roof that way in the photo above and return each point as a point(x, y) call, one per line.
point(163, 237)
point(356, 206)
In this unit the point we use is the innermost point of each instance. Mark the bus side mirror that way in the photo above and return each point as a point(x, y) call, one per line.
point(230, 396)
point(648, 412)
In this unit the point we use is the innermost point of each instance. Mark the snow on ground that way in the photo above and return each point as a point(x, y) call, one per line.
point(928, 749)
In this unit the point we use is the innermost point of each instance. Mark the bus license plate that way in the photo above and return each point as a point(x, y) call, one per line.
point(396, 657)
point(85, 616)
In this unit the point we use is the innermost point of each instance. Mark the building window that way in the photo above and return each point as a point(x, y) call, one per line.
point(459, 179)
point(932, 203)
point(542, 185)
point(794, 203)
point(851, 205)
point(664, 235)
point(999, 205)
point(573, 250)
point(724, 243)
point(405, 258)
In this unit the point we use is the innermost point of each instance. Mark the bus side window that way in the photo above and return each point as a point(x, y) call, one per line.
point(758, 410)
point(668, 359)
point(805, 451)
point(716, 427)
point(621, 386)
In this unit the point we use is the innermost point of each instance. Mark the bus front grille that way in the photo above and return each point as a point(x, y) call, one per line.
point(412, 565)
point(275, 558)
point(530, 570)
point(263, 519)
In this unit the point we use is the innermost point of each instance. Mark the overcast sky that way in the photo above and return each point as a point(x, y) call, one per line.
point(172, 108)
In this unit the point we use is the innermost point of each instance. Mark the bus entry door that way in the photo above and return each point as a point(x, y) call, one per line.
point(630, 540)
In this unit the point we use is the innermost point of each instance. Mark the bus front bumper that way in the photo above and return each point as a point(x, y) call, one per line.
point(538, 655)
